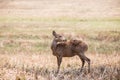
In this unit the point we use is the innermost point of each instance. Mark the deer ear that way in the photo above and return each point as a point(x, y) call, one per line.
point(54, 33)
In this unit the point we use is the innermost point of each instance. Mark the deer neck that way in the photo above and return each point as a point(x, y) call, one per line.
point(54, 44)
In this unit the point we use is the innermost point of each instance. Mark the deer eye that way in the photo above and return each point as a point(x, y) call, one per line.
point(60, 36)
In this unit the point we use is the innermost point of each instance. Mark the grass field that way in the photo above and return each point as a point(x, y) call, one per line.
point(26, 36)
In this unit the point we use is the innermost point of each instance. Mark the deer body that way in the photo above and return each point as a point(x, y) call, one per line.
point(63, 48)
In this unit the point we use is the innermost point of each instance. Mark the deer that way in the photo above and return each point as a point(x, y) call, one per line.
point(61, 47)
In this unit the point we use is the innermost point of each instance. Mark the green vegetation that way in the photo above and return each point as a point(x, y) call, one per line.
point(56, 19)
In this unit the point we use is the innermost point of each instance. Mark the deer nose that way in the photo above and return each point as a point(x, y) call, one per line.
point(64, 39)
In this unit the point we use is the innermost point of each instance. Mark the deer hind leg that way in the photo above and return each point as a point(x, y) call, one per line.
point(82, 56)
point(59, 60)
point(83, 62)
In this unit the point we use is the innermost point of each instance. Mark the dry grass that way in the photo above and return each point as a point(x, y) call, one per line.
point(43, 67)
point(25, 51)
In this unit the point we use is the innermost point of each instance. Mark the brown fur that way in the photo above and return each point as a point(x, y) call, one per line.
point(63, 48)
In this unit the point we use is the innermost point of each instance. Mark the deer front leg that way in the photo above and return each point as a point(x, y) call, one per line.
point(59, 60)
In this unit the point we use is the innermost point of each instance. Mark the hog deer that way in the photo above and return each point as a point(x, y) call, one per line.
point(64, 48)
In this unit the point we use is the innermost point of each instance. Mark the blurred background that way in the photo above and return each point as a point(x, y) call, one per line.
point(97, 21)
point(60, 8)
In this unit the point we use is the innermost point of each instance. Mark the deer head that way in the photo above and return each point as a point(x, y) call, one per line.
point(58, 37)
